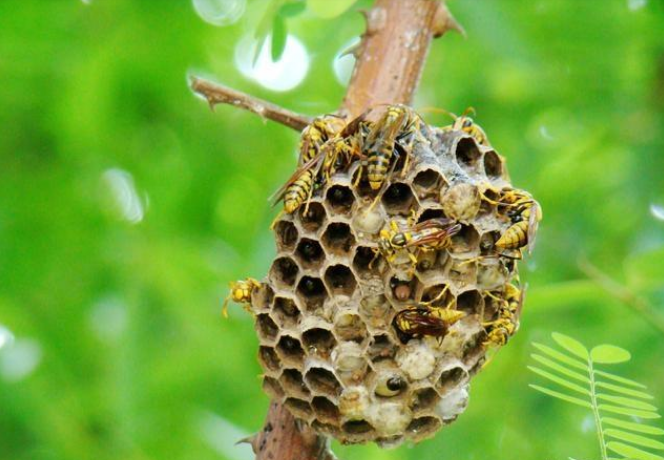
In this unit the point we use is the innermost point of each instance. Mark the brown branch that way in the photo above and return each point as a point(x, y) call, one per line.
point(393, 52)
point(215, 94)
point(623, 294)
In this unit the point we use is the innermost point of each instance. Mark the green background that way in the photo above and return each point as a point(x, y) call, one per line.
point(120, 351)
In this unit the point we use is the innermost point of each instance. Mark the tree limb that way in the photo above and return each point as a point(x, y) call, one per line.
point(215, 94)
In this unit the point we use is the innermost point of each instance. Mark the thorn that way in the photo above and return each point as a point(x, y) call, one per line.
point(444, 21)
point(248, 440)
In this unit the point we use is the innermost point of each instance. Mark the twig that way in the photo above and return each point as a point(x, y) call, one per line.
point(215, 94)
point(622, 293)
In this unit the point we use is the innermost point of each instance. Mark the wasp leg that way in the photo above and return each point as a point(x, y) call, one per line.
point(276, 219)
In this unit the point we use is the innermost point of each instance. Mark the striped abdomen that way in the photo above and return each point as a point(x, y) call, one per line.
point(378, 165)
point(298, 192)
point(514, 237)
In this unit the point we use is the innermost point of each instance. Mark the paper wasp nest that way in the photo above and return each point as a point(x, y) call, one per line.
point(325, 314)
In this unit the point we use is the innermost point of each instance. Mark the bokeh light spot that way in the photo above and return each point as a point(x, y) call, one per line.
point(220, 12)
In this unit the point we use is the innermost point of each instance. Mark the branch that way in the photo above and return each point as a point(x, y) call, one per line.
point(393, 52)
point(623, 294)
point(215, 94)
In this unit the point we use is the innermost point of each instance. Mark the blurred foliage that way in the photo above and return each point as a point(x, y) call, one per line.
point(126, 206)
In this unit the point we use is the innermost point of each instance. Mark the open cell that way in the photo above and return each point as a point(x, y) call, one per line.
point(424, 399)
point(309, 253)
point(266, 328)
point(284, 271)
point(299, 408)
point(424, 426)
point(340, 199)
point(286, 235)
point(323, 381)
point(319, 342)
point(364, 261)
point(452, 378)
point(428, 184)
point(493, 165)
point(381, 348)
point(290, 350)
point(272, 387)
point(312, 291)
point(338, 238)
point(312, 218)
point(471, 302)
point(340, 280)
point(285, 312)
point(325, 410)
point(398, 199)
point(292, 383)
point(350, 327)
point(467, 153)
point(269, 359)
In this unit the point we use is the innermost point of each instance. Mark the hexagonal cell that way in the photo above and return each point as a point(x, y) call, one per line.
point(376, 311)
point(290, 350)
point(319, 342)
point(493, 165)
point(466, 241)
point(461, 202)
point(431, 213)
point(320, 427)
point(299, 409)
point(381, 348)
point(309, 253)
point(340, 198)
point(398, 199)
point(463, 273)
point(424, 399)
point(424, 427)
point(366, 258)
point(492, 304)
point(326, 411)
point(266, 328)
point(467, 153)
point(403, 291)
point(428, 183)
point(284, 272)
point(323, 381)
point(357, 427)
point(340, 280)
point(272, 388)
point(269, 359)
point(389, 384)
point(451, 378)
point(471, 302)
point(338, 238)
point(286, 235)
point(491, 274)
point(291, 381)
point(350, 327)
point(440, 296)
point(313, 292)
point(261, 298)
point(488, 242)
point(286, 312)
point(314, 218)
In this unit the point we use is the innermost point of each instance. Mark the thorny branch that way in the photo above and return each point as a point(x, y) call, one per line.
point(215, 94)
point(390, 60)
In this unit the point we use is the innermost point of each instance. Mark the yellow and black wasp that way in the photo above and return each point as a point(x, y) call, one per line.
point(240, 292)
point(505, 326)
point(467, 125)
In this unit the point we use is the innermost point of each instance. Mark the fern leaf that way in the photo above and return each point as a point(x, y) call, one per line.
point(631, 452)
point(634, 439)
point(562, 369)
point(563, 396)
point(572, 345)
point(629, 411)
point(623, 390)
point(637, 427)
point(560, 381)
point(563, 358)
point(627, 402)
point(609, 354)
point(617, 378)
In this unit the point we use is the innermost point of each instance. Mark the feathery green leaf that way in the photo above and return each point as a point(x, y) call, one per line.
point(560, 381)
point(629, 411)
point(572, 345)
point(562, 369)
point(617, 378)
point(609, 354)
point(563, 358)
point(634, 439)
point(623, 390)
point(627, 402)
point(563, 396)
point(631, 452)
point(638, 427)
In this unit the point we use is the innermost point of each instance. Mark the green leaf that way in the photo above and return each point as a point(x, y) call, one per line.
point(627, 402)
point(623, 390)
point(564, 397)
point(638, 427)
point(629, 411)
point(645, 270)
point(572, 345)
point(562, 369)
point(292, 9)
point(563, 358)
point(619, 379)
point(631, 452)
point(329, 8)
point(264, 26)
point(560, 381)
point(609, 354)
point(279, 36)
point(634, 439)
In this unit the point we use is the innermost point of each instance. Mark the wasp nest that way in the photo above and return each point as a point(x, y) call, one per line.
point(369, 338)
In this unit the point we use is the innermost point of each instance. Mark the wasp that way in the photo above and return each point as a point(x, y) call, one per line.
point(467, 125)
point(398, 126)
point(317, 134)
point(429, 235)
point(425, 321)
point(500, 330)
point(525, 215)
point(240, 292)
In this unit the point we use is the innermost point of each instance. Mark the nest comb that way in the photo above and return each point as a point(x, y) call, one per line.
point(325, 314)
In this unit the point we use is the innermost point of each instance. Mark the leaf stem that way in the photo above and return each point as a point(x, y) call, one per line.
point(595, 406)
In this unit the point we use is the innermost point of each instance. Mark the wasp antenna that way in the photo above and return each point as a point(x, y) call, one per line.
point(224, 308)
point(469, 110)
